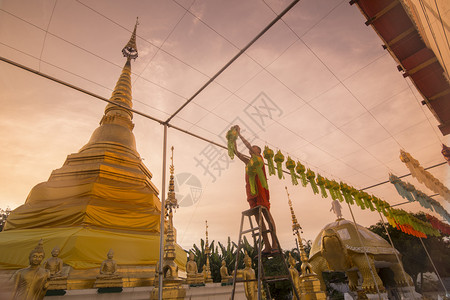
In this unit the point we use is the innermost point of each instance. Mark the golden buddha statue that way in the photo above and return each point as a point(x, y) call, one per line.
point(294, 275)
point(54, 264)
point(193, 277)
point(224, 273)
point(108, 277)
point(31, 283)
point(108, 267)
point(248, 273)
point(191, 267)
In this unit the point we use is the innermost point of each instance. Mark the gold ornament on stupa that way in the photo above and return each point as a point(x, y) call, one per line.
point(101, 198)
point(207, 267)
point(169, 266)
point(172, 284)
point(309, 282)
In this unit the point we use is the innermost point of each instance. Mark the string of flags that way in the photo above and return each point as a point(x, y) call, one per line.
point(410, 193)
point(442, 227)
point(337, 191)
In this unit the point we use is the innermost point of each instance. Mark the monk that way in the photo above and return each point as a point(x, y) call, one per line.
point(261, 198)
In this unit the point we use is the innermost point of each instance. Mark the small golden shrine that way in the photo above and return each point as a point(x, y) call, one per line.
point(207, 267)
point(101, 198)
point(308, 285)
point(172, 284)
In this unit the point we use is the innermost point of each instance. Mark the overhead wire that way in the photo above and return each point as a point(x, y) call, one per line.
point(77, 75)
point(46, 32)
point(171, 91)
point(90, 52)
point(142, 38)
point(387, 181)
point(162, 44)
point(182, 61)
point(419, 102)
point(76, 88)
point(356, 98)
point(279, 16)
point(265, 69)
point(340, 82)
point(232, 93)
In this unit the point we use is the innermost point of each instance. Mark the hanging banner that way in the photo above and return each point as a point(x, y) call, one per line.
point(409, 192)
point(424, 176)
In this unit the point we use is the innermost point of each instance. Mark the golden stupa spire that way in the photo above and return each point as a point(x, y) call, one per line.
point(296, 228)
point(130, 49)
point(122, 92)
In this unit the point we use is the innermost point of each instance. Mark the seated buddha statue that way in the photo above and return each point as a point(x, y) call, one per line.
point(55, 265)
point(224, 273)
point(108, 267)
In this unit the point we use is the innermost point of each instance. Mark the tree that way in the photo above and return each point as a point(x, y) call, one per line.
point(227, 253)
point(3, 216)
point(414, 258)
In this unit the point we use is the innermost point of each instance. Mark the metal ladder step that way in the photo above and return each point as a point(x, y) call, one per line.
point(257, 212)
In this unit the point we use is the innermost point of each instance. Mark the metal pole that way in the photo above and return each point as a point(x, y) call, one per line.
point(396, 255)
point(365, 252)
point(161, 228)
point(432, 263)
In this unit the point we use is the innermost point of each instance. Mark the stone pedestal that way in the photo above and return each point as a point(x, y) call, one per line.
point(57, 283)
point(227, 280)
point(195, 279)
point(57, 286)
point(108, 284)
point(169, 293)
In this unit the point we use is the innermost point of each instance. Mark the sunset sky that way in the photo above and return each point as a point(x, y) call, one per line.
point(318, 86)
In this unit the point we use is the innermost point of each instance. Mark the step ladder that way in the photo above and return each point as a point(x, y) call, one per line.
point(257, 232)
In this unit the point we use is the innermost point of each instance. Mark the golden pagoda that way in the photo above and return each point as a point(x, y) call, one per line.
point(101, 198)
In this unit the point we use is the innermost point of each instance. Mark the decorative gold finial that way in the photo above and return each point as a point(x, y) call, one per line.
point(207, 244)
point(130, 49)
point(207, 268)
point(296, 228)
point(171, 202)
